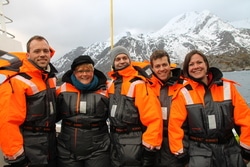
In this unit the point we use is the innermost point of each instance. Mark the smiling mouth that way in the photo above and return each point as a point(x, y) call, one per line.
point(197, 71)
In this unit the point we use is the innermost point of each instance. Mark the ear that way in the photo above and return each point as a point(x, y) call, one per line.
point(52, 51)
point(28, 55)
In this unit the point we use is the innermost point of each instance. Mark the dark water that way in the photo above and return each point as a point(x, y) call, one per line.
point(243, 78)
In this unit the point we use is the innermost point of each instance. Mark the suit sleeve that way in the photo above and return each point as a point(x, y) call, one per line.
point(12, 115)
point(177, 117)
point(241, 117)
point(150, 115)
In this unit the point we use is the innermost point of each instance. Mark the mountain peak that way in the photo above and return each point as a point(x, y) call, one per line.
point(191, 23)
point(193, 30)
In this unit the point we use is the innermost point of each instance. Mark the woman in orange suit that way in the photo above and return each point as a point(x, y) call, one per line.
point(208, 112)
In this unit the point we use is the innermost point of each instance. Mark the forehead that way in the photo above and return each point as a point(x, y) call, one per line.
point(85, 66)
point(160, 60)
point(196, 57)
point(121, 56)
point(38, 43)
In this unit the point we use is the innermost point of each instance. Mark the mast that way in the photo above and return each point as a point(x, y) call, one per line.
point(111, 25)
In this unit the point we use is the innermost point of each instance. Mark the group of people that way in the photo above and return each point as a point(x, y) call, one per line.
point(159, 116)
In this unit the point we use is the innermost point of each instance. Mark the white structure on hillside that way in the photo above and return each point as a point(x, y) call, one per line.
point(7, 41)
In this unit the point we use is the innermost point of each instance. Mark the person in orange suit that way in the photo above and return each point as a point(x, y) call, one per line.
point(166, 83)
point(209, 113)
point(134, 114)
point(27, 120)
point(82, 105)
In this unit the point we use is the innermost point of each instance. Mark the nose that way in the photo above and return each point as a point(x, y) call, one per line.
point(161, 68)
point(42, 54)
point(196, 65)
point(122, 60)
point(84, 72)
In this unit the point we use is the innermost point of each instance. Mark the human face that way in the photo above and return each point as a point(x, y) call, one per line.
point(161, 68)
point(121, 61)
point(84, 73)
point(197, 68)
point(39, 53)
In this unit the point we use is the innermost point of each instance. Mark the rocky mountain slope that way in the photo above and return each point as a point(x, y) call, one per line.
point(227, 47)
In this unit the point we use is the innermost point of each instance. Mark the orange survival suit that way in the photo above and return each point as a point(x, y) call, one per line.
point(166, 90)
point(206, 114)
point(27, 117)
point(84, 133)
point(133, 106)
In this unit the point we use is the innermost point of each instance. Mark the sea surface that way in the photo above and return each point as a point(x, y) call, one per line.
point(243, 78)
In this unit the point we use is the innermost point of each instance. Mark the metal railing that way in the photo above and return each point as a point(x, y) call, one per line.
point(7, 33)
point(6, 2)
point(6, 20)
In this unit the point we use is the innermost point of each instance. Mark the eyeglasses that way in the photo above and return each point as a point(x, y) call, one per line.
point(84, 71)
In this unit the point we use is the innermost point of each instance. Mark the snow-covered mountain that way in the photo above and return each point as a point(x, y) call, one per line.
point(203, 31)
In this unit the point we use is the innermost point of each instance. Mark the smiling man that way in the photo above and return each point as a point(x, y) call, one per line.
point(38, 51)
point(27, 123)
point(134, 114)
point(166, 81)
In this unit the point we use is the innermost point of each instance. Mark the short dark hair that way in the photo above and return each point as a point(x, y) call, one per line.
point(36, 37)
point(158, 54)
point(188, 58)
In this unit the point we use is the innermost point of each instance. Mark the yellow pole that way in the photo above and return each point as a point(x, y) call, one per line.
point(111, 25)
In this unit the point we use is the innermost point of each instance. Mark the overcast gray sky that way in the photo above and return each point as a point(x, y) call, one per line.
point(68, 24)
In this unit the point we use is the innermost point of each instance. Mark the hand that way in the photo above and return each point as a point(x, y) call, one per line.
point(150, 147)
point(245, 154)
point(20, 161)
point(245, 161)
point(148, 156)
point(183, 157)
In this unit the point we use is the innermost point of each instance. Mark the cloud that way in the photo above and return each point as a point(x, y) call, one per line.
point(68, 24)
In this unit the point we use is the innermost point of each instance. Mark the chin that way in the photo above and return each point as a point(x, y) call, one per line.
point(85, 82)
point(43, 65)
point(199, 76)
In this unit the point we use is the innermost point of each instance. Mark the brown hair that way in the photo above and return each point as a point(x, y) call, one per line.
point(36, 37)
point(158, 54)
point(188, 58)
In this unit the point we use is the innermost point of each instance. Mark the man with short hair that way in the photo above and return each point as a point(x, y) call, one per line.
point(166, 83)
point(27, 123)
point(135, 114)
